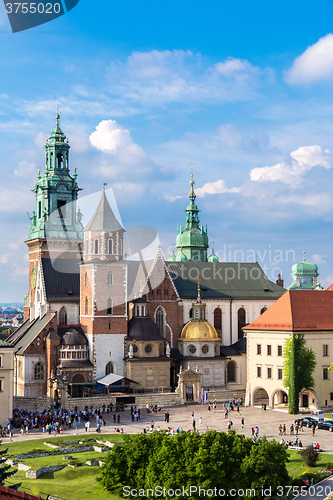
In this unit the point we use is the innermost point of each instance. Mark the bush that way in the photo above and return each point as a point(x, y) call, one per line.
point(310, 456)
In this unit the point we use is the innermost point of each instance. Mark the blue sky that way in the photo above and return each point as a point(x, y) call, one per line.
point(243, 90)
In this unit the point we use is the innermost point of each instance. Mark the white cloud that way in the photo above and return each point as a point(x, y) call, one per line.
point(314, 65)
point(217, 187)
point(291, 171)
point(4, 258)
point(110, 137)
point(26, 169)
point(319, 201)
point(318, 258)
point(180, 76)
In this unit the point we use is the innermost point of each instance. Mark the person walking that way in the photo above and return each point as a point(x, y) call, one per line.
point(242, 422)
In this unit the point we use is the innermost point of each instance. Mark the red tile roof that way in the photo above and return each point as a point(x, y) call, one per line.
point(330, 287)
point(7, 493)
point(298, 310)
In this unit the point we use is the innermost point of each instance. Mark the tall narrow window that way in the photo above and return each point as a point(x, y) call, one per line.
point(86, 306)
point(61, 207)
point(120, 247)
point(241, 322)
point(109, 368)
point(110, 278)
point(110, 247)
point(218, 321)
point(231, 371)
point(96, 247)
point(160, 320)
point(86, 279)
point(39, 371)
point(109, 307)
point(39, 209)
point(63, 316)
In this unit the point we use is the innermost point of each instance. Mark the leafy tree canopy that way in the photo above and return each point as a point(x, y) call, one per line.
point(211, 460)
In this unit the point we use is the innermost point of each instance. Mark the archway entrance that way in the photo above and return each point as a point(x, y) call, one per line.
point(189, 385)
point(280, 399)
point(308, 400)
point(189, 391)
point(260, 397)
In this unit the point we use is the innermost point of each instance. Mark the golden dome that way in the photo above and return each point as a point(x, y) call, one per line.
point(199, 330)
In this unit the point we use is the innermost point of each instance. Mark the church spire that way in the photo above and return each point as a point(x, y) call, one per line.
point(192, 240)
point(56, 192)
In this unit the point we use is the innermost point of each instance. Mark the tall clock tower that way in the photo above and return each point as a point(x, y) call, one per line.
point(56, 229)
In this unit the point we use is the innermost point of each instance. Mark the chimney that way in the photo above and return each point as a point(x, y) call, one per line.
point(280, 281)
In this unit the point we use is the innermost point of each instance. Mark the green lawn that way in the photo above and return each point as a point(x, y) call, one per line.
point(37, 463)
point(296, 466)
point(22, 447)
point(70, 484)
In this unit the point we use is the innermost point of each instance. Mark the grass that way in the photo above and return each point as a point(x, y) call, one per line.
point(68, 483)
point(37, 463)
point(23, 447)
point(296, 466)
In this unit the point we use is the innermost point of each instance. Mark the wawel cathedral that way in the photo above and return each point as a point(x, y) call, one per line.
point(93, 315)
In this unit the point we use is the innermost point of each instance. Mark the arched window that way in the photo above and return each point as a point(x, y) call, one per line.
point(109, 368)
point(263, 310)
point(86, 279)
point(109, 307)
point(110, 278)
point(160, 320)
point(241, 322)
point(120, 247)
point(39, 371)
point(78, 379)
point(96, 247)
point(86, 247)
point(231, 372)
point(110, 247)
point(63, 316)
point(218, 321)
point(191, 313)
point(86, 306)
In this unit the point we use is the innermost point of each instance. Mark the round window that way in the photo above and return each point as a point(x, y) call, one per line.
point(148, 348)
point(204, 349)
point(192, 348)
point(135, 348)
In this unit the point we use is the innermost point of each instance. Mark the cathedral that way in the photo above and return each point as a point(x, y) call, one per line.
point(93, 315)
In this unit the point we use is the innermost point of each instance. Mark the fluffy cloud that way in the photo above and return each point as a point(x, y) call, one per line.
point(217, 187)
point(180, 76)
point(314, 65)
point(291, 171)
point(110, 137)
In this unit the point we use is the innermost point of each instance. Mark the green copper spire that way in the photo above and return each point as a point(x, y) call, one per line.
point(192, 240)
point(56, 193)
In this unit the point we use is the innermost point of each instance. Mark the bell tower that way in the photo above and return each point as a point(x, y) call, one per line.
point(56, 229)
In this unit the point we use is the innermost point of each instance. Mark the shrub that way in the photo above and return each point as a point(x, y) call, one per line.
point(310, 456)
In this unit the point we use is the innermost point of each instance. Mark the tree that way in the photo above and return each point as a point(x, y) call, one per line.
point(299, 365)
point(310, 456)
point(5, 471)
point(192, 461)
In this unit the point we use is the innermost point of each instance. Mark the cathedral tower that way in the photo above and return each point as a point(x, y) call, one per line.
point(103, 290)
point(192, 240)
point(56, 229)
